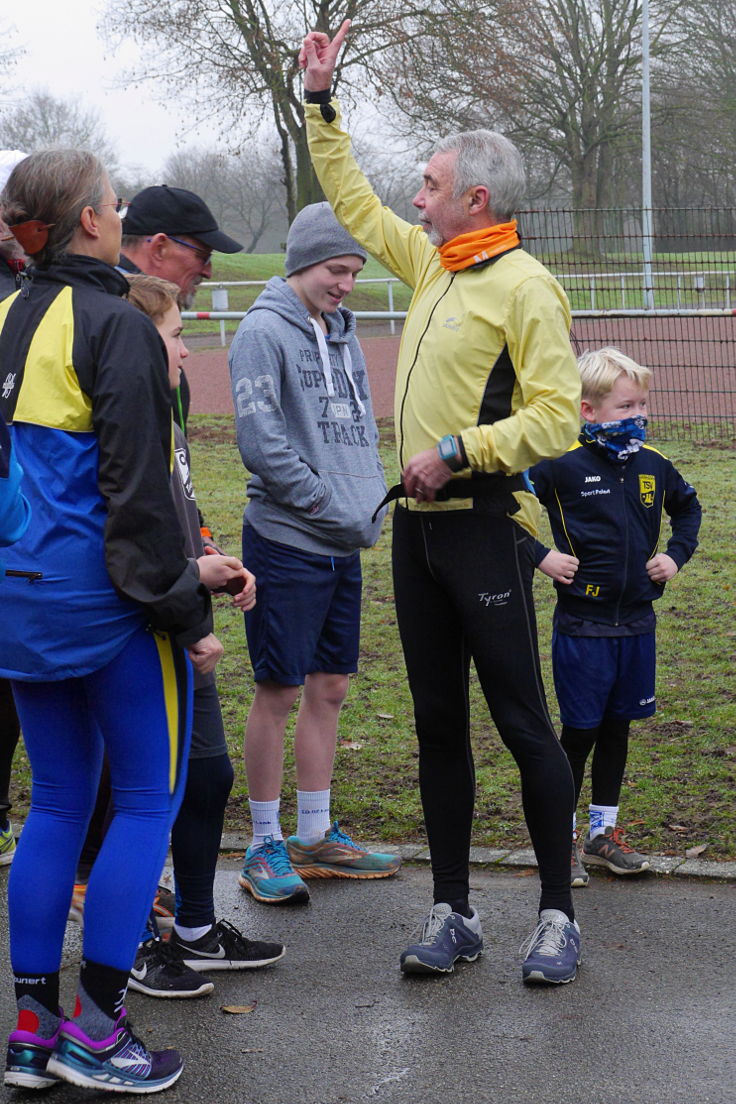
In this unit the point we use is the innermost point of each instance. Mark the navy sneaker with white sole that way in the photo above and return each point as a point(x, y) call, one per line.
point(552, 952)
point(446, 937)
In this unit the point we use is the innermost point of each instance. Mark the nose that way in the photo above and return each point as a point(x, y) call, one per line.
point(183, 351)
point(207, 270)
point(418, 200)
point(346, 284)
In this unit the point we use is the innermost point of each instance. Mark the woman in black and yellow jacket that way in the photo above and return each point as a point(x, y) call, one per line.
point(98, 619)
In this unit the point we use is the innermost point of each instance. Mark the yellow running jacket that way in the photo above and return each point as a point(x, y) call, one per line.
point(485, 352)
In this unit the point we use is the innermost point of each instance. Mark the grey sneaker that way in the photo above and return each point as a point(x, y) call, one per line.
point(610, 849)
point(579, 876)
point(446, 936)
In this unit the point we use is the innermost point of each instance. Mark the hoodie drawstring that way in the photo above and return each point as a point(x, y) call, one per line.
point(347, 361)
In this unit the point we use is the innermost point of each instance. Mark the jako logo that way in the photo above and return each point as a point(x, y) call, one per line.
point(592, 479)
point(496, 599)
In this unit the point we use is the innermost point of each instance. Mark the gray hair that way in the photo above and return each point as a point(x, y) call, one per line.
point(488, 158)
point(53, 186)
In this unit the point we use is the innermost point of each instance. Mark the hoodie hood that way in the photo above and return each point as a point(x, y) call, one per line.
point(279, 297)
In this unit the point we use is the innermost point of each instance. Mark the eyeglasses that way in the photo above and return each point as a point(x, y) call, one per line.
point(203, 256)
point(119, 203)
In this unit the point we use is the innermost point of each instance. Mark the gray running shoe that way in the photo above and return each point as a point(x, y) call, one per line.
point(579, 876)
point(610, 849)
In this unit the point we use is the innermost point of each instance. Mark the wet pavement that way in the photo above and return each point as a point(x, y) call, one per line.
point(651, 1018)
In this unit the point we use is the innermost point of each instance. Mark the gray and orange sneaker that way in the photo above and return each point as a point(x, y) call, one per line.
point(610, 849)
point(579, 876)
point(163, 908)
point(336, 855)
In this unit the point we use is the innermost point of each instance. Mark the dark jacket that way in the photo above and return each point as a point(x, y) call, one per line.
point(85, 386)
point(609, 514)
point(9, 281)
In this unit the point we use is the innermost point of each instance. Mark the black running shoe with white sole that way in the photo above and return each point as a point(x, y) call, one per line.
point(160, 971)
point(225, 948)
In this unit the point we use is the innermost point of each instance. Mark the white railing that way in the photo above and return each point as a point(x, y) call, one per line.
point(697, 278)
point(218, 286)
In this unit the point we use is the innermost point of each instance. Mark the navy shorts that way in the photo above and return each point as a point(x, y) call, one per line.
point(307, 612)
point(599, 676)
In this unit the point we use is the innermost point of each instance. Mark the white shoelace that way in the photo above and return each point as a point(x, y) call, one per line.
point(548, 939)
point(433, 924)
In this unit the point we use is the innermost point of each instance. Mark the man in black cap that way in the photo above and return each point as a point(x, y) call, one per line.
point(171, 233)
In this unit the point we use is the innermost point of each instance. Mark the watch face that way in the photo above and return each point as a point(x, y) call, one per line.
point(447, 448)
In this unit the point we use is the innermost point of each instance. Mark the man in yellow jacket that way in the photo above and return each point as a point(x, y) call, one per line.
point(486, 385)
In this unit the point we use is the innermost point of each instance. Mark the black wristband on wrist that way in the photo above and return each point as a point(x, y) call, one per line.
point(463, 453)
point(322, 97)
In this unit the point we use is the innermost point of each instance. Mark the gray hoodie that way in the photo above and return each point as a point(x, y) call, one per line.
point(305, 426)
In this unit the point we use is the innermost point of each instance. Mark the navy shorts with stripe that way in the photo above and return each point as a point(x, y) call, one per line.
point(307, 613)
point(598, 676)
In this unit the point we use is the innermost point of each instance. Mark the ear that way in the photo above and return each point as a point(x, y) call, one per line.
point(89, 222)
point(478, 197)
point(158, 247)
point(588, 411)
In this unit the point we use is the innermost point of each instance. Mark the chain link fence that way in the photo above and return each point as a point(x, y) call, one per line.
point(671, 307)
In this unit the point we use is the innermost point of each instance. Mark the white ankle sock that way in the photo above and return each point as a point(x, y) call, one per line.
point(313, 814)
point(191, 935)
point(602, 817)
point(265, 818)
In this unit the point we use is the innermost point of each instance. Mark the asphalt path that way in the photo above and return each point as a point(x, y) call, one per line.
point(651, 1018)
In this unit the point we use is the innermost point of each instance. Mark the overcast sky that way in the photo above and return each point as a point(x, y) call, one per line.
point(64, 55)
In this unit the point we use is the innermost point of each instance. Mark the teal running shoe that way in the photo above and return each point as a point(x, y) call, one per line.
point(268, 874)
point(28, 1058)
point(120, 1063)
point(7, 845)
point(336, 855)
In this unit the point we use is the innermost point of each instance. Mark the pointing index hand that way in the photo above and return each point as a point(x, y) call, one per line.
point(318, 56)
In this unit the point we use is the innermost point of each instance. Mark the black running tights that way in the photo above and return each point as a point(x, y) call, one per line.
point(463, 585)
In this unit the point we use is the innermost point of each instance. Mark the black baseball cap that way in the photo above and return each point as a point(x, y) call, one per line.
point(165, 210)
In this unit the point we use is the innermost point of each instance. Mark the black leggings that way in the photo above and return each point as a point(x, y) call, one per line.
point(463, 583)
point(195, 839)
point(611, 742)
point(9, 733)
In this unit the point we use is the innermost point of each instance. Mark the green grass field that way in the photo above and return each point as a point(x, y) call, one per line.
point(262, 266)
point(679, 788)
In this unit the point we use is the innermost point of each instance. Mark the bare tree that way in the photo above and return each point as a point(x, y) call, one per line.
point(230, 58)
point(561, 77)
point(10, 55)
point(244, 191)
point(43, 121)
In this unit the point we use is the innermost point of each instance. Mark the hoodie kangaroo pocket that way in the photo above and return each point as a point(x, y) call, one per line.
point(345, 513)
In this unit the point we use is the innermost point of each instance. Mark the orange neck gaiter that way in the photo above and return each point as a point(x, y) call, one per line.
point(479, 245)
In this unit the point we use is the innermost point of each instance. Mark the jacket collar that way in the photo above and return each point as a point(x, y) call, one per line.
point(82, 271)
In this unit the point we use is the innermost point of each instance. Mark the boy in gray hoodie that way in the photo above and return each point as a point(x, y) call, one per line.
point(307, 435)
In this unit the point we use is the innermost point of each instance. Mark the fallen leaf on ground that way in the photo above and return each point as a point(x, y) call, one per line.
point(385, 716)
point(693, 852)
point(351, 745)
point(238, 1009)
